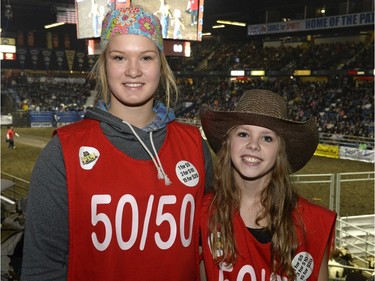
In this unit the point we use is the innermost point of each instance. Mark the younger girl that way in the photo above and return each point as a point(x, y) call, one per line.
point(254, 225)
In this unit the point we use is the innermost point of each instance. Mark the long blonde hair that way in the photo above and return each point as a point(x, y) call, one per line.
point(278, 199)
point(167, 83)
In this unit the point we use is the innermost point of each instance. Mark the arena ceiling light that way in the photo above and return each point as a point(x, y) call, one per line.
point(53, 25)
point(236, 23)
point(257, 73)
point(237, 73)
point(302, 72)
point(218, 26)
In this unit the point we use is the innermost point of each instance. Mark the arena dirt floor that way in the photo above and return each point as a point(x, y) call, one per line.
point(356, 197)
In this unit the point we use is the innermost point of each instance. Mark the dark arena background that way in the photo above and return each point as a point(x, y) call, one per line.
point(319, 55)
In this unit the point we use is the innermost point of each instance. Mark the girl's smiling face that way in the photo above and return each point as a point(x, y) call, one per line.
point(253, 150)
point(133, 71)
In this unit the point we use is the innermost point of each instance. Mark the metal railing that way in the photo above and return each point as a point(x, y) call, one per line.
point(15, 192)
point(347, 140)
point(360, 240)
point(350, 177)
point(320, 179)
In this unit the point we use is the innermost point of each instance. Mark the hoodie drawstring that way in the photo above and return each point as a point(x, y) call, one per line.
point(157, 162)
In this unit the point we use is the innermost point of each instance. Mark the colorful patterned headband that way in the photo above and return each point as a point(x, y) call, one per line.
point(131, 21)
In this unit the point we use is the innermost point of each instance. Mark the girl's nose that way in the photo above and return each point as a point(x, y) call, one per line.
point(133, 70)
point(253, 145)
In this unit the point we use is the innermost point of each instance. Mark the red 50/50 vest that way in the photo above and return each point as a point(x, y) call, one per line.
point(124, 222)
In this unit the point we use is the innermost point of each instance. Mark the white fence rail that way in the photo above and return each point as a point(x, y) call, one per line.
point(349, 177)
point(353, 232)
point(357, 234)
point(320, 179)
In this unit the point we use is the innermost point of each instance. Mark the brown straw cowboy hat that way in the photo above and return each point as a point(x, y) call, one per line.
point(264, 109)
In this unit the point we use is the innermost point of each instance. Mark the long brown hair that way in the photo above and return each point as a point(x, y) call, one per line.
point(278, 200)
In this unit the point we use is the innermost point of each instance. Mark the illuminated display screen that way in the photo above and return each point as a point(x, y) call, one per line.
point(180, 19)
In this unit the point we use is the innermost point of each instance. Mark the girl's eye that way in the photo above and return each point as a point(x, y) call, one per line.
point(147, 58)
point(268, 138)
point(242, 134)
point(118, 58)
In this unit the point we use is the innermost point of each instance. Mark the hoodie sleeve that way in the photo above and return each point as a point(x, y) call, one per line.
point(45, 250)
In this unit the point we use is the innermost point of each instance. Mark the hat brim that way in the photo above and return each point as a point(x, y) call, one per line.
point(301, 138)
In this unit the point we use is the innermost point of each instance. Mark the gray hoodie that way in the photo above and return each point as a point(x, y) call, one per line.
point(45, 255)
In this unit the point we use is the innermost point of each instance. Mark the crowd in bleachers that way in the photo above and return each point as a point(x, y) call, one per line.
point(40, 93)
point(214, 56)
point(344, 110)
point(343, 106)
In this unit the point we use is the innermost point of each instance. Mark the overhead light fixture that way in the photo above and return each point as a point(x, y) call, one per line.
point(257, 72)
point(231, 22)
point(218, 26)
point(302, 72)
point(206, 34)
point(237, 73)
point(54, 25)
